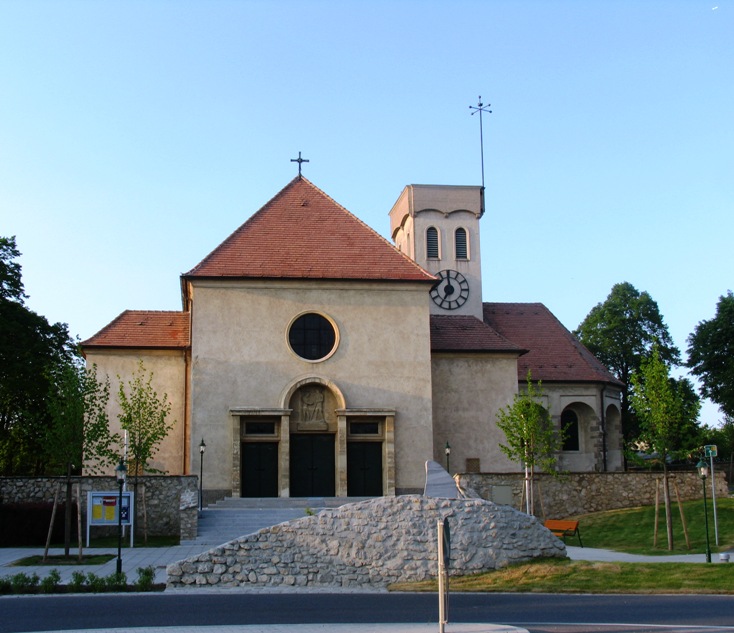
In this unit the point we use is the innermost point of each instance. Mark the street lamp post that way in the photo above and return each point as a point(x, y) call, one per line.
point(448, 458)
point(202, 448)
point(703, 471)
point(120, 475)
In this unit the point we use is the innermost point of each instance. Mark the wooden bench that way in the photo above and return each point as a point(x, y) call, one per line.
point(562, 529)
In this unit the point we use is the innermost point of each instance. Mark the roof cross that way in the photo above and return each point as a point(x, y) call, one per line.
point(299, 160)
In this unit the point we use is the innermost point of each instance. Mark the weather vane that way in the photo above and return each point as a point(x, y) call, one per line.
point(481, 108)
point(300, 161)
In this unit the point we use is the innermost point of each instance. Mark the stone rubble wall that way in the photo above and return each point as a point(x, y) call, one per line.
point(371, 543)
point(582, 493)
point(171, 501)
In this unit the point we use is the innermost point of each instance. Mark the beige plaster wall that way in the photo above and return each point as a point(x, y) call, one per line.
point(241, 358)
point(446, 208)
point(468, 391)
point(168, 369)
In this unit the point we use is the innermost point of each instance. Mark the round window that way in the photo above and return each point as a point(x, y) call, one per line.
point(312, 336)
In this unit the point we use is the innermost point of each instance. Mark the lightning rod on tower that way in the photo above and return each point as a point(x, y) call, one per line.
point(481, 108)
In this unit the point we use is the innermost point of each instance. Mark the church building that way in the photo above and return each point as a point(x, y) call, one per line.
point(316, 359)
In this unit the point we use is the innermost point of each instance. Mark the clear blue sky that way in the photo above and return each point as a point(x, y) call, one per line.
point(135, 136)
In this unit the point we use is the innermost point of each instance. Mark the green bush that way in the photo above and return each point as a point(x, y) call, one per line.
point(78, 580)
point(24, 583)
point(146, 578)
point(95, 583)
point(50, 584)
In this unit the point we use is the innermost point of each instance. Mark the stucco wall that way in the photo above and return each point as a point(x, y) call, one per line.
point(241, 358)
point(468, 391)
point(168, 368)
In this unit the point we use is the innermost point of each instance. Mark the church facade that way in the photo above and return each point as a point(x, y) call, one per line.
point(315, 359)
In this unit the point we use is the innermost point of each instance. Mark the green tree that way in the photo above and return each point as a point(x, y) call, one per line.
point(80, 436)
point(143, 414)
point(79, 433)
point(711, 355)
point(667, 417)
point(620, 332)
point(531, 439)
point(31, 352)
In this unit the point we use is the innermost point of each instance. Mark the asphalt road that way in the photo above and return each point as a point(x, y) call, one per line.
point(539, 613)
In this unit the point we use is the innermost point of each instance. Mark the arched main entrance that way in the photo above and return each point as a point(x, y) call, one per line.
point(313, 446)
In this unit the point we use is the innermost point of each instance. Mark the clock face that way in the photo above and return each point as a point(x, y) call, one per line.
point(451, 290)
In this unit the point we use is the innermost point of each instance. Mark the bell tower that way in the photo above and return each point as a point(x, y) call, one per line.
point(438, 227)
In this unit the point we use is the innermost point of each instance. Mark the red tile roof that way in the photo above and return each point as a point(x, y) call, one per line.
point(303, 234)
point(467, 334)
point(555, 355)
point(144, 329)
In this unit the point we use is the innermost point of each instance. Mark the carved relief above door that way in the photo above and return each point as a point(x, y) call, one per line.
point(313, 409)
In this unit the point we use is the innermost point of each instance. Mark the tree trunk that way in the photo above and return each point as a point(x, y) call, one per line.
point(67, 513)
point(668, 514)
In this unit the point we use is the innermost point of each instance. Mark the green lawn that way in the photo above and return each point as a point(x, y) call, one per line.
point(630, 530)
point(565, 576)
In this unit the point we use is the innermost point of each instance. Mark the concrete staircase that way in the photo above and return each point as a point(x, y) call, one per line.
point(233, 517)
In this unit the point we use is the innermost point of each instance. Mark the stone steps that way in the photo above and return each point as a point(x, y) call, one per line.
point(283, 502)
point(233, 517)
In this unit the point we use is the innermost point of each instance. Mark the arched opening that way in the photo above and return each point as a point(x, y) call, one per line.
point(570, 430)
point(432, 250)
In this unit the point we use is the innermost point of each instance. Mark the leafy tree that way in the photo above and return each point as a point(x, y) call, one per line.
point(711, 355)
point(143, 415)
point(667, 417)
point(531, 439)
point(31, 351)
point(80, 435)
point(620, 332)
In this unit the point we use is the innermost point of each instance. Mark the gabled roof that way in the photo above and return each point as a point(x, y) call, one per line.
point(555, 355)
point(467, 334)
point(303, 234)
point(147, 329)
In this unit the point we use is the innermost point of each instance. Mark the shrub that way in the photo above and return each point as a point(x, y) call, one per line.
point(78, 580)
point(24, 583)
point(95, 583)
point(146, 578)
point(50, 584)
point(116, 582)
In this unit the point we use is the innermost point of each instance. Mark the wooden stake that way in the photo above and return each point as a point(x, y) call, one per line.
point(682, 513)
point(657, 509)
point(79, 519)
point(51, 527)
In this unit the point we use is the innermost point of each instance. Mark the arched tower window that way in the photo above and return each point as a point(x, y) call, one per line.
point(570, 426)
point(432, 242)
point(462, 251)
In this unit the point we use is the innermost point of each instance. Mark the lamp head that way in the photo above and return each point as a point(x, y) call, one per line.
point(703, 469)
point(202, 446)
point(121, 472)
point(448, 449)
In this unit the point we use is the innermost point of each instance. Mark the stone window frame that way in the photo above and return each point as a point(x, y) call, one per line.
point(325, 317)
